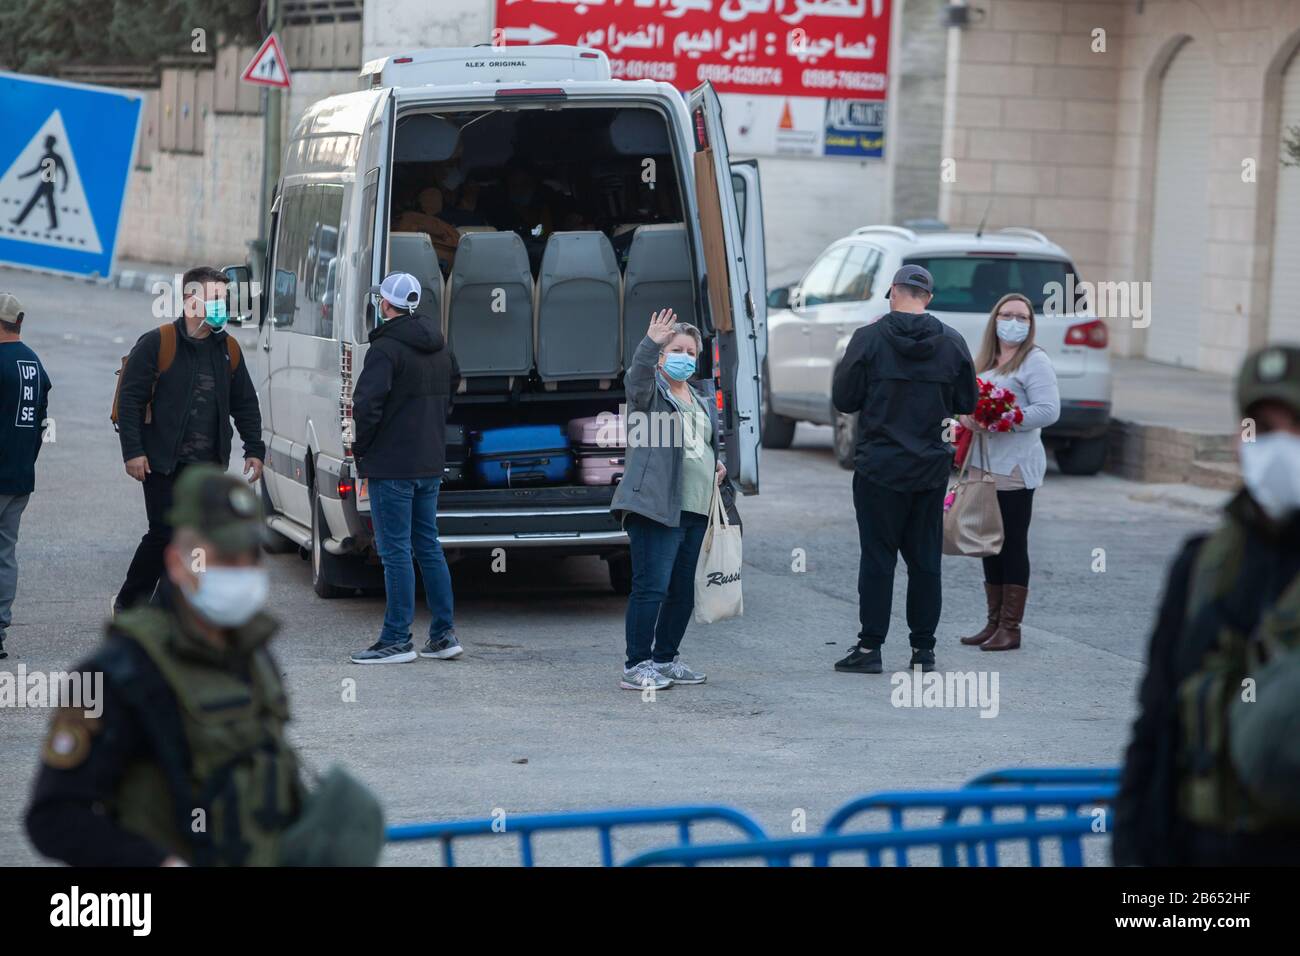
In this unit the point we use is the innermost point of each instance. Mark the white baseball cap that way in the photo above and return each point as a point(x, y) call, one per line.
point(400, 289)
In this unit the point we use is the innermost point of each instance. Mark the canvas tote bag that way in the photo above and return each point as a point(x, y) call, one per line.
point(717, 573)
point(973, 525)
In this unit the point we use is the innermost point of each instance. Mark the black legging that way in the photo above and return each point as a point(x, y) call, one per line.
point(1012, 565)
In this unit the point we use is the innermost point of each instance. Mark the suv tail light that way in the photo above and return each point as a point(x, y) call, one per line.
point(1093, 335)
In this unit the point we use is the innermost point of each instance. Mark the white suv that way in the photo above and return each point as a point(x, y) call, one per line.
point(810, 323)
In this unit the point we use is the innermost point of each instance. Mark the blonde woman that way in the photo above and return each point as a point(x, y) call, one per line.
point(1017, 460)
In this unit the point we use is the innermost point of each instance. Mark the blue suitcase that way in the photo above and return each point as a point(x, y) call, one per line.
point(522, 455)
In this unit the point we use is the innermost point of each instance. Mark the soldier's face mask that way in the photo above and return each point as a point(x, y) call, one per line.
point(229, 597)
point(1270, 468)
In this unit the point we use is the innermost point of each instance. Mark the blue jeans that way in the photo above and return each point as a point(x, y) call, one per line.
point(663, 584)
point(405, 515)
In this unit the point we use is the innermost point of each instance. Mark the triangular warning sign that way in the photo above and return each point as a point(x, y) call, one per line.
point(268, 66)
point(787, 119)
point(41, 196)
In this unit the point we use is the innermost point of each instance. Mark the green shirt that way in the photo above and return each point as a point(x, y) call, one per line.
point(698, 467)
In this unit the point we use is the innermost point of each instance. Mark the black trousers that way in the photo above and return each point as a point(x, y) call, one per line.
point(147, 565)
point(1011, 566)
point(889, 523)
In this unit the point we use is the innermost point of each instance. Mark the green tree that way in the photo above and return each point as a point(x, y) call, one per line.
point(40, 36)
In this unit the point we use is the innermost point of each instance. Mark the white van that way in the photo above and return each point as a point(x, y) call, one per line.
point(582, 204)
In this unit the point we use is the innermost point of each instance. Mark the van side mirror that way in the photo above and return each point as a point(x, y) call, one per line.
point(241, 294)
point(779, 298)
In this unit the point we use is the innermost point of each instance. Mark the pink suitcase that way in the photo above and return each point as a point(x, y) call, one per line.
point(600, 447)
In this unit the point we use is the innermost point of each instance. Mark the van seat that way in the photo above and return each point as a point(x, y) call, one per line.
point(413, 252)
point(490, 306)
point(658, 277)
point(578, 314)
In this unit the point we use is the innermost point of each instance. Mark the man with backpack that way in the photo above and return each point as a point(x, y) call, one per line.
point(1212, 775)
point(179, 389)
point(24, 396)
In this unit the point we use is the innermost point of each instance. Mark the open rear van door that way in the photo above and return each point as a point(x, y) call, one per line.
point(749, 202)
point(731, 305)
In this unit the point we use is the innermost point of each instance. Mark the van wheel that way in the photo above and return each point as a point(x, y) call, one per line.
point(1082, 456)
point(844, 436)
point(272, 541)
point(620, 573)
point(775, 431)
point(324, 566)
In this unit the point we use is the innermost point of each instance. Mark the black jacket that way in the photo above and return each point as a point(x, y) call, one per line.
point(160, 440)
point(1148, 828)
point(904, 376)
point(401, 400)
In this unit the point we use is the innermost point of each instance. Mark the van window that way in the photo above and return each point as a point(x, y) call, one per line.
point(738, 187)
point(306, 257)
point(365, 271)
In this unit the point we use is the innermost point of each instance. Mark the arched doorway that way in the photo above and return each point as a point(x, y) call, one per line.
point(1181, 210)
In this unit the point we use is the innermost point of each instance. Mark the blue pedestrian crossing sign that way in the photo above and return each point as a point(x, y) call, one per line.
point(65, 160)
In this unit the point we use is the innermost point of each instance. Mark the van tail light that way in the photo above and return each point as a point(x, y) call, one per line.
point(1093, 335)
point(717, 377)
point(701, 132)
point(345, 401)
point(346, 487)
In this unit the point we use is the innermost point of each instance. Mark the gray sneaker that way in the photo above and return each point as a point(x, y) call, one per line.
point(444, 648)
point(679, 673)
point(642, 676)
point(381, 653)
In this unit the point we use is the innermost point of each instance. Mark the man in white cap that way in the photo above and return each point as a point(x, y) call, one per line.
point(24, 393)
point(399, 409)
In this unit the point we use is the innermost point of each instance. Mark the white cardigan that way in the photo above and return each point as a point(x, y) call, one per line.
point(1034, 384)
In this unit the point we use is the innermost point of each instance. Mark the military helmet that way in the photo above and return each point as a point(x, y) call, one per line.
point(1272, 373)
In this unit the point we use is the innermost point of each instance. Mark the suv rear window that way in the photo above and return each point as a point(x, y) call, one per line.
point(975, 283)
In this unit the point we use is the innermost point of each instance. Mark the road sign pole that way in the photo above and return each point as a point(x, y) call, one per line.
point(271, 126)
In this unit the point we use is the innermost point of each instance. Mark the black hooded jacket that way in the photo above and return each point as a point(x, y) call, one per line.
point(904, 375)
point(401, 400)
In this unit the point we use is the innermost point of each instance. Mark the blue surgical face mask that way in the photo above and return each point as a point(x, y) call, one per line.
point(1012, 332)
point(214, 313)
point(679, 366)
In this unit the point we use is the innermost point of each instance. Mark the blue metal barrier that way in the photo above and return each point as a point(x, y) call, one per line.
point(602, 821)
point(1069, 801)
point(1047, 776)
point(1069, 831)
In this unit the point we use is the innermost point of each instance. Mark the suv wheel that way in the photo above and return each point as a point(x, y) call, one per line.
point(775, 431)
point(844, 437)
point(323, 564)
point(1082, 456)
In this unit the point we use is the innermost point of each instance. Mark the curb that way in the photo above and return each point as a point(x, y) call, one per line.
point(136, 280)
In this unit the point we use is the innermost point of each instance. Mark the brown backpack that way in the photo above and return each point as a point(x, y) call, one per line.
point(167, 355)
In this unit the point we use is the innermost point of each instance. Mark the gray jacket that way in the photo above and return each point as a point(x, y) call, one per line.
point(652, 478)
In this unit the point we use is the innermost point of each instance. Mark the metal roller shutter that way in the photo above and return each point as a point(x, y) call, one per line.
point(1182, 210)
point(1284, 290)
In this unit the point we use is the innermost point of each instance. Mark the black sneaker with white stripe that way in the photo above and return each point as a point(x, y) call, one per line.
point(381, 653)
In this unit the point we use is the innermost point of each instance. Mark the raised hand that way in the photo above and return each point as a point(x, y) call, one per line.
point(661, 326)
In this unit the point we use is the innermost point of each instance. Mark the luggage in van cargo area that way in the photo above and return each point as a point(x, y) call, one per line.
point(600, 446)
point(453, 471)
point(522, 455)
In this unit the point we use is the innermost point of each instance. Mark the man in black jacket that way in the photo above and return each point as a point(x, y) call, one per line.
point(904, 376)
point(399, 411)
point(182, 384)
point(1185, 795)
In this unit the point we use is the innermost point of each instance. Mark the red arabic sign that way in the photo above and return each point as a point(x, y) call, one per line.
point(832, 48)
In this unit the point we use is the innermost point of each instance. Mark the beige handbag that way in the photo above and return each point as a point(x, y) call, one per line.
point(973, 525)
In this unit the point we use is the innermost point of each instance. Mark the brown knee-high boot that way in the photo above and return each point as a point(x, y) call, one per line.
point(1007, 637)
point(993, 594)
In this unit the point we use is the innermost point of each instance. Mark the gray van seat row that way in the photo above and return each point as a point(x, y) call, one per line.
point(580, 321)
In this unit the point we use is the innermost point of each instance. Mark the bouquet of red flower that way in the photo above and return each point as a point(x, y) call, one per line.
point(996, 410)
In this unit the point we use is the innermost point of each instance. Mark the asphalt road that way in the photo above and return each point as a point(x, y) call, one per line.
point(531, 718)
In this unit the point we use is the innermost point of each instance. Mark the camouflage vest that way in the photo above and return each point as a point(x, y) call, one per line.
point(225, 782)
point(1209, 792)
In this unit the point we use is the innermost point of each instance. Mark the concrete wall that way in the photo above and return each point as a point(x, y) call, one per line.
point(1062, 138)
point(917, 79)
